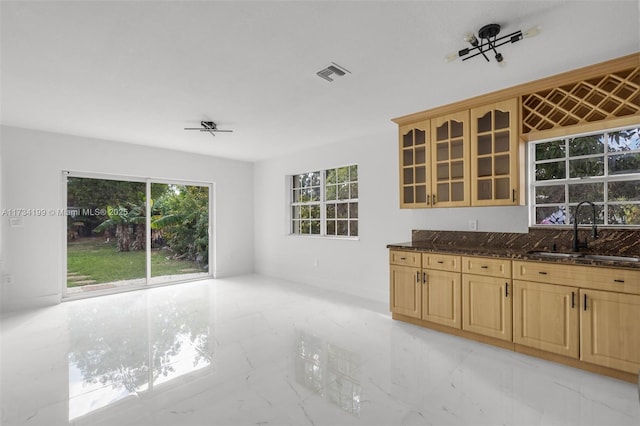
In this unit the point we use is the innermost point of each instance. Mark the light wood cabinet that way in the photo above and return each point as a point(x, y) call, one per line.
point(415, 168)
point(580, 315)
point(450, 160)
point(495, 154)
point(405, 290)
point(466, 158)
point(546, 317)
point(610, 329)
point(586, 312)
point(441, 298)
point(486, 297)
point(430, 292)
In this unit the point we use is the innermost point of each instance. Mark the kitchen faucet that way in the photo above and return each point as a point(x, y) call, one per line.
point(577, 245)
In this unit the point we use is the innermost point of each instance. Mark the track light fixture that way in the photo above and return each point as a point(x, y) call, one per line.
point(488, 41)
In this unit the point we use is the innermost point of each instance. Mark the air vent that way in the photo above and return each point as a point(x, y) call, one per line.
point(333, 70)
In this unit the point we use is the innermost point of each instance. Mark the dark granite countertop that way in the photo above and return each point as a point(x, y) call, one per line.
point(510, 253)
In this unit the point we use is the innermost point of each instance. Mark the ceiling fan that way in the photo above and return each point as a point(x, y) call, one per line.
point(208, 126)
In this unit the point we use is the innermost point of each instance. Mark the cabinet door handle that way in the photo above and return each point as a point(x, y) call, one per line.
point(514, 195)
point(573, 299)
point(484, 266)
point(418, 276)
point(424, 278)
point(618, 281)
point(440, 262)
point(585, 302)
point(542, 273)
point(433, 197)
point(506, 289)
point(403, 258)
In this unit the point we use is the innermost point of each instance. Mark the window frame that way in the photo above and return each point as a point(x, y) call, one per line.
point(568, 181)
point(322, 203)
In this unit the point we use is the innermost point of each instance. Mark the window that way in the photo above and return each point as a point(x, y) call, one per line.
point(603, 168)
point(325, 202)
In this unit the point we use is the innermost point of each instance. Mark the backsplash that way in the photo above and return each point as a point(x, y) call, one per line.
point(623, 242)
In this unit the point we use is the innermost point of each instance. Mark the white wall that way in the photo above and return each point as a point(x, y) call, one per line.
point(32, 163)
point(356, 267)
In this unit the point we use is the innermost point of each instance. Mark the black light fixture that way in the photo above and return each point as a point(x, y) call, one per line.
point(208, 126)
point(488, 41)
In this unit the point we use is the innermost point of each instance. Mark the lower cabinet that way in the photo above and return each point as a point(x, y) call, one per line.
point(487, 306)
point(430, 292)
point(441, 298)
point(588, 315)
point(546, 317)
point(405, 290)
point(610, 329)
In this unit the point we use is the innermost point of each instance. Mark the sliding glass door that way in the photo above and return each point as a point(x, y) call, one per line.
point(123, 233)
point(179, 232)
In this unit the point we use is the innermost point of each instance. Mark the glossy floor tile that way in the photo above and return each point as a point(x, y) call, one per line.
point(257, 351)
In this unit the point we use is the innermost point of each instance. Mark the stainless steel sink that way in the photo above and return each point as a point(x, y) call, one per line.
point(611, 258)
point(555, 254)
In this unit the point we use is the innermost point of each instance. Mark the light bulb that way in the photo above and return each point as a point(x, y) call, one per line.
point(532, 32)
point(451, 57)
point(470, 38)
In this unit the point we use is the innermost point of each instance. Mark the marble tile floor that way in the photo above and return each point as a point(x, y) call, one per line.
point(258, 351)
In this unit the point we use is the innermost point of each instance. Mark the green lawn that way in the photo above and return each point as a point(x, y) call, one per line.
point(100, 261)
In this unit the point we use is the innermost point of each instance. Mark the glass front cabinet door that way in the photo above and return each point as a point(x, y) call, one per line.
point(494, 153)
point(415, 176)
point(450, 160)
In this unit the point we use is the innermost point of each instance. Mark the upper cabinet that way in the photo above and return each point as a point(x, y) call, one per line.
point(415, 170)
point(471, 153)
point(494, 154)
point(450, 162)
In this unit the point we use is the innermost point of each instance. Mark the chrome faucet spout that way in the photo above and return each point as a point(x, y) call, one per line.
point(577, 245)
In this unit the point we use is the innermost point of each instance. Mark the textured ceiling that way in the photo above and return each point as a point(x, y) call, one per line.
point(140, 72)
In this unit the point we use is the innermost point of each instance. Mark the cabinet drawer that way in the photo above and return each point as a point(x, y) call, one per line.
point(441, 262)
point(404, 258)
point(593, 277)
point(492, 267)
point(545, 272)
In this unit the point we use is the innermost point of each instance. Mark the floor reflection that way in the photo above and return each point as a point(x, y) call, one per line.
point(328, 370)
point(121, 352)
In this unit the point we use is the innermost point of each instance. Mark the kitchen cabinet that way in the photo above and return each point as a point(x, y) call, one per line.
point(405, 283)
point(430, 292)
point(465, 158)
point(415, 167)
point(450, 160)
point(486, 297)
point(610, 329)
point(546, 317)
point(495, 154)
point(560, 308)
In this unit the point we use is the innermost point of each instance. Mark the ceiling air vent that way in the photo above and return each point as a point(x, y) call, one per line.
point(332, 71)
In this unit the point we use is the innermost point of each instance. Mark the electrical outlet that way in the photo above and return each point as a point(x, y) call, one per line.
point(473, 224)
point(7, 279)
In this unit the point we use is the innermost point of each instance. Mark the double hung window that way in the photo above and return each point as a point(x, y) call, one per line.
point(325, 202)
point(603, 168)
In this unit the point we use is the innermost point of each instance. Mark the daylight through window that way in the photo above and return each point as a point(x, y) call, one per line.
point(325, 202)
point(603, 168)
